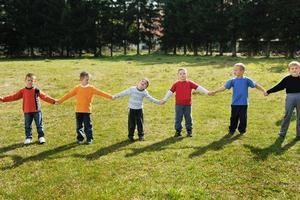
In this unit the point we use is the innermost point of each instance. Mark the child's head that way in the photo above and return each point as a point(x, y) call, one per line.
point(30, 80)
point(239, 69)
point(143, 84)
point(84, 78)
point(294, 68)
point(182, 74)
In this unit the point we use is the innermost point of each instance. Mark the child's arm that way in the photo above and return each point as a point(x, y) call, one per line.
point(70, 94)
point(260, 88)
point(102, 94)
point(221, 89)
point(46, 98)
point(166, 97)
point(13, 97)
point(279, 86)
point(202, 89)
point(1, 99)
point(122, 94)
point(151, 99)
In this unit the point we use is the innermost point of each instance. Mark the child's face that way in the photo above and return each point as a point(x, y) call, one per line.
point(85, 80)
point(294, 70)
point(29, 81)
point(142, 85)
point(238, 71)
point(182, 75)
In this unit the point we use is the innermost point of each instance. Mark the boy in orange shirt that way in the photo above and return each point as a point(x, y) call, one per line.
point(31, 107)
point(84, 95)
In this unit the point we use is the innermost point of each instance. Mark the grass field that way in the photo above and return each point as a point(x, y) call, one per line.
point(207, 166)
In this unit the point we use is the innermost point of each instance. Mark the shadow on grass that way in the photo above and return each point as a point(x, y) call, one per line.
point(154, 147)
point(275, 148)
point(105, 150)
point(293, 118)
point(11, 147)
point(215, 146)
point(18, 160)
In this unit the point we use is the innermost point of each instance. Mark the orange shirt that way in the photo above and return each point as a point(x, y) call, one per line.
point(30, 98)
point(84, 97)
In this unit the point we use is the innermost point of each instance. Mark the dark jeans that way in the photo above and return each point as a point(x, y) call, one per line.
point(185, 111)
point(135, 118)
point(83, 121)
point(38, 119)
point(238, 114)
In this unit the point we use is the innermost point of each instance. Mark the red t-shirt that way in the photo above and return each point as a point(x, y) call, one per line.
point(30, 98)
point(183, 91)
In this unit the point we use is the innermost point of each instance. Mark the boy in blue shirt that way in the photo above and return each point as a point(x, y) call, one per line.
point(239, 105)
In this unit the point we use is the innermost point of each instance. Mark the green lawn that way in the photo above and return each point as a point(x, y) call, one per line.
point(207, 166)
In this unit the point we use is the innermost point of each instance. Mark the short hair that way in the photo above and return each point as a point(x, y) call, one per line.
point(241, 65)
point(294, 63)
point(83, 74)
point(147, 81)
point(30, 75)
point(182, 68)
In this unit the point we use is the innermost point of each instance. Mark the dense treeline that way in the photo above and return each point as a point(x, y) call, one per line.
point(73, 27)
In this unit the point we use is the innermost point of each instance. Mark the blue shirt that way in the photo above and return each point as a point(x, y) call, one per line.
point(240, 89)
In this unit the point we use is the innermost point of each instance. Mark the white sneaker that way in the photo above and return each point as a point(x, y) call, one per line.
point(42, 140)
point(27, 141)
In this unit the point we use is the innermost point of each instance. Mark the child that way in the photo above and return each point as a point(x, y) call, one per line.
point(135, 114)
point(291, 84)
point(84, 95)
point(239, 103)
point(183, 89)
point(31, 107)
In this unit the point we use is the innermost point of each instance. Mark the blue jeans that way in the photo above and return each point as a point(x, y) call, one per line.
point(83, 121)
point(38, 119)
point(186, 112)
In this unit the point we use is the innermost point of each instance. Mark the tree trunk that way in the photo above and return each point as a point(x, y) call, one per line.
point(111, 50)
point(125, 47)
point(267, 51)
point(184, 49)
point(174, 50)
point(210, 49)
point(221, 49)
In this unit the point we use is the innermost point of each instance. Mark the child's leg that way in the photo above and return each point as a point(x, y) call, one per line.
point(178, 118)
point(88, 127)
point(140, 122)
point(38, 119)
point(188, 119)
point(28, 117)
point(79, 126)
point(290, 104)
point(243, 119)
point(298, 115)
point(131, 123)
point(233, 118)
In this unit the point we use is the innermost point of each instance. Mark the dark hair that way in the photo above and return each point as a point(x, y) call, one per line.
point(30, 75)
point(83, 74)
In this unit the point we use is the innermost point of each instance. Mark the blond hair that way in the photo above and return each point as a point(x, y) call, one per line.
point(294, 63)
point(182, 68)
point(240, 65)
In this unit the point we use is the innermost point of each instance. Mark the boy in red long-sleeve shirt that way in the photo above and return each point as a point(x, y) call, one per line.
point(183, 101)
point(31, 107)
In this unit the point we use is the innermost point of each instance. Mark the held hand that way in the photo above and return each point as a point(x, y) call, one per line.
point(162, 102)
point(1, 99)
point(265, 93)
point(56, 102)
point(113, 98)
point(211, 93)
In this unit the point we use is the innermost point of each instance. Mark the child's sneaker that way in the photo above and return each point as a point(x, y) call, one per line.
point(90, 141)
point(42, 140)
point(131, 139)
point(177, 134)
point(189, 134)
point(79, 141)
point(27, 141)
point(141, 138)
point(297, 138)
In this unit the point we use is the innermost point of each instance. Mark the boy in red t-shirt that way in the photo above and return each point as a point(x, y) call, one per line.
point(31, 107)
point(183, 101)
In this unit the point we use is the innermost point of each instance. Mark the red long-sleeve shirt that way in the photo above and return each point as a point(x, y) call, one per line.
point(30, 98)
